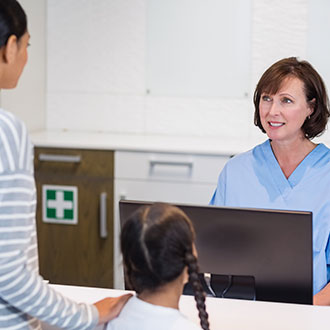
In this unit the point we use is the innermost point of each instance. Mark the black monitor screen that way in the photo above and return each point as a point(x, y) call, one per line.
point(272, 247)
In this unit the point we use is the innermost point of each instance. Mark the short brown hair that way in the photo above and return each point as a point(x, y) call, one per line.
point(314, 87)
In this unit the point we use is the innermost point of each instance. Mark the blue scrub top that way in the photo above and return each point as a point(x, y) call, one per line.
point(255, 179)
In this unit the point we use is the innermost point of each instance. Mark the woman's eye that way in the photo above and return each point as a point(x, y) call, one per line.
point(266, 98)
point(286, 100)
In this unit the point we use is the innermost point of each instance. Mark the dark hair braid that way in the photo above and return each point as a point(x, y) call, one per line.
point(157, 243)
point(191, 261)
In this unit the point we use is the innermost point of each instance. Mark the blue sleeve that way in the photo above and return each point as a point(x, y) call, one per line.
point(218, 198)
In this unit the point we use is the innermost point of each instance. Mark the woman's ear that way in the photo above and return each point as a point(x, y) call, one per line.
point(10, 50)
point(311, 104)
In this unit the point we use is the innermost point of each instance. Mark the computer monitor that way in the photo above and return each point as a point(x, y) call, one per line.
point(270, 249)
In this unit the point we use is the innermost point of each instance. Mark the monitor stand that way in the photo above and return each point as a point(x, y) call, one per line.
point(225, 286)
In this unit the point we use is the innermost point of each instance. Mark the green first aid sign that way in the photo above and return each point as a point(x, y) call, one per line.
point(60, 204)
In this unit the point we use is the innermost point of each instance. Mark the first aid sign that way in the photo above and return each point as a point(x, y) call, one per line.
point(60, 204)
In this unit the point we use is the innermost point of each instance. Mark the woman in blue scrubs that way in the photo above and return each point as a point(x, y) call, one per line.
point(287, 171)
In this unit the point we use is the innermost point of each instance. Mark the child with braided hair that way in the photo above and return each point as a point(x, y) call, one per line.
point(159, 255)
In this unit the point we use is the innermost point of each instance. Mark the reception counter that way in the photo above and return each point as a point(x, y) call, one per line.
point(227, 314)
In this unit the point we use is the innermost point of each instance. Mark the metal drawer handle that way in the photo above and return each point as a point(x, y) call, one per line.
point(153, 163)
point(59, 158)
point(103, 215)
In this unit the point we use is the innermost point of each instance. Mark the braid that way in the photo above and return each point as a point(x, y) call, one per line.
point(198, 289)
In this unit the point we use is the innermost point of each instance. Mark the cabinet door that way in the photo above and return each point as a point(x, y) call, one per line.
point(76, 254)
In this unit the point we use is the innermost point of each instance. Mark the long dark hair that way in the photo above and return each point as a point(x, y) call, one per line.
point(13, 20)
point(157, 242)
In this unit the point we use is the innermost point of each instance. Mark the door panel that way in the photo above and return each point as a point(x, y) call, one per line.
point(76, 254)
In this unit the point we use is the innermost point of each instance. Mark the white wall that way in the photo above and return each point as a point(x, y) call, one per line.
point(97, 81)
point(110, 91)
point(27, 101)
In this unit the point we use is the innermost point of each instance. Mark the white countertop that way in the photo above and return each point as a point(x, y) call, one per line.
point(228, 314)
point(139, 142)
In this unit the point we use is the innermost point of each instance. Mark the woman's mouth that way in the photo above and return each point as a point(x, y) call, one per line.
point(275, 124)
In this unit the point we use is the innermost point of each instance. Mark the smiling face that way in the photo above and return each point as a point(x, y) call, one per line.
point(283, 114)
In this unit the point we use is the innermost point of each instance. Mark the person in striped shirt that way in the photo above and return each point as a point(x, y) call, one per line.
point(25, 298)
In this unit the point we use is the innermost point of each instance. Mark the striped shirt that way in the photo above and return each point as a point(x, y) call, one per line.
point(24, 297)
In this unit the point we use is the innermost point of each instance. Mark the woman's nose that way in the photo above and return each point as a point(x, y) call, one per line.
point(274, 108)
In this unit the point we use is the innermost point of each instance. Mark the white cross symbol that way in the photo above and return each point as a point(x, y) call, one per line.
point(60, 204)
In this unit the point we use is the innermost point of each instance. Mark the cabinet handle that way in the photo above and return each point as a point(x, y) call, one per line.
point(59, 158)
point(103, 215)
point(153, 163)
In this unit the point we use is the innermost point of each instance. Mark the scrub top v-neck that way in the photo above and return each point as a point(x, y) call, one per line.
point(255, 179)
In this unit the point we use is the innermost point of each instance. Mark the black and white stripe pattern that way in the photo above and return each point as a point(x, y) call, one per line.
point(24, 297)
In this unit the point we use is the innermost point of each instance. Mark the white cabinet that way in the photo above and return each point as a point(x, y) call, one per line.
point(165, 177)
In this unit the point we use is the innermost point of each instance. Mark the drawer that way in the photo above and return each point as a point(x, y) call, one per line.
point(168, 166)
point(74, 162)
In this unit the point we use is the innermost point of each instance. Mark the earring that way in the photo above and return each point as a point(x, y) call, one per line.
point(309, 117)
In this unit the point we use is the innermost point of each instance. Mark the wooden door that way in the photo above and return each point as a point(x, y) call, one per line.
point(76, 254)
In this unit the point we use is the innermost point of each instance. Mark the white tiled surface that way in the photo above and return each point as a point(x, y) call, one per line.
point(97, 70)
point(197, 117)
point(279, 30)
point(96, 112)
point(96, 46)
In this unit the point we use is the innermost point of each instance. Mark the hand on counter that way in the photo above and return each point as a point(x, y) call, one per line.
point(109, 308)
